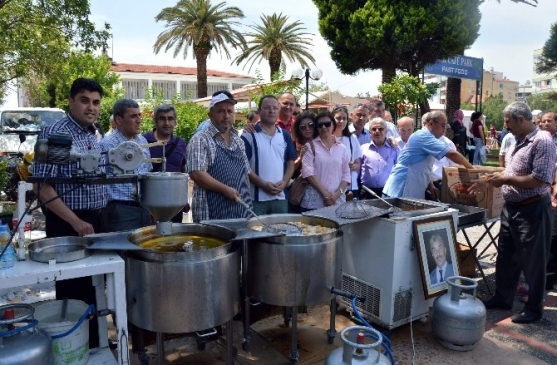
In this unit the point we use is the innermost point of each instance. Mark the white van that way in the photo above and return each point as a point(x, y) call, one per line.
point(24, 121)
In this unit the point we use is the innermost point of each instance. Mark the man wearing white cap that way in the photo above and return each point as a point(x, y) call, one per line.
point(218, 165)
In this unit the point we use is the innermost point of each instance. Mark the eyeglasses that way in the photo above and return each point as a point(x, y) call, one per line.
point(162, 118)
point(324, 124)
point(374, 129)
point(443, 125)
point(303, 127)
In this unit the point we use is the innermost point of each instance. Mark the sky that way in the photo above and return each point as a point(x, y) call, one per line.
point(509, 34)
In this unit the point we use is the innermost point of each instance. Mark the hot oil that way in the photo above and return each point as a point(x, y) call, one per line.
point(179, 243)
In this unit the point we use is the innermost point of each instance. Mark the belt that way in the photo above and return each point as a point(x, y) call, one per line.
point(79, 212)
point(130, 203)
point(528, 201)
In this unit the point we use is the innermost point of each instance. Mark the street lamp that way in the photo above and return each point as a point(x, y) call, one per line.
point(299, 74)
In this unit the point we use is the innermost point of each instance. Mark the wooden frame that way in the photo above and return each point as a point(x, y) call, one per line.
point(436, 235)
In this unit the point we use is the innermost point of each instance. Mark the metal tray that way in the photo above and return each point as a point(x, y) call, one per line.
point(410, 207)
point(468, 214)
point(61, 249)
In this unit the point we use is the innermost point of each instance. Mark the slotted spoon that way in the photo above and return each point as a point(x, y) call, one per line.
point(279, 228)
point(395, 209)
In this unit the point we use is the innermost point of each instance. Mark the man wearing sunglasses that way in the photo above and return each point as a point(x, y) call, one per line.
point(411, 175)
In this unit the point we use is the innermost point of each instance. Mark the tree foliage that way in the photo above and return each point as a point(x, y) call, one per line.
point(202, 26)
point(548, 59)
point(403, 94)
point(36, 35)
point(274, 39)
point(53, 89)
point(190, 114)
point(396, 34)
point(275, 87)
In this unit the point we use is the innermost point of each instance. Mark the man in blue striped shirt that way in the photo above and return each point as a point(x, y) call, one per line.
point(123, 212)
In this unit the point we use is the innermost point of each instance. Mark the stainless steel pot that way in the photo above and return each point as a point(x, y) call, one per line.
point(294, 270)
point(183, 291)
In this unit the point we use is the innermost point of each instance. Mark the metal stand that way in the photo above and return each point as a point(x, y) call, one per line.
point(160, 348)
point(229, 344)
point(293, 337)
point(488, 225)
point(331, 332)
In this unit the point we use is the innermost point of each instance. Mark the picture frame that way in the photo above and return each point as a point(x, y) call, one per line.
point(435, 239)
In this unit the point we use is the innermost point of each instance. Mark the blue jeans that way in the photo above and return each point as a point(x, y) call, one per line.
point(479, 143)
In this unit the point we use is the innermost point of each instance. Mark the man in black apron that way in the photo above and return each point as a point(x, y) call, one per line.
point(218, 165)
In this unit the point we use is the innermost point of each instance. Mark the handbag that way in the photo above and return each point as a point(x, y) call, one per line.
point(299, 186)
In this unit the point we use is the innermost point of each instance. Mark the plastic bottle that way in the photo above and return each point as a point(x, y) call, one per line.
point(8, 257)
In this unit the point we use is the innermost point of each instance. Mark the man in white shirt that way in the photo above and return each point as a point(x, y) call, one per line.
point(405, 129)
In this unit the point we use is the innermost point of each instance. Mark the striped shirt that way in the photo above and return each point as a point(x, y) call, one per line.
point(84, 197)
point(125, 191)
point(535, 156)
point(201, 154)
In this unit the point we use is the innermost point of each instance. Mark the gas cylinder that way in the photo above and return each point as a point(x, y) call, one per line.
point(458, 319)
point(355, 350)
point(24, 343)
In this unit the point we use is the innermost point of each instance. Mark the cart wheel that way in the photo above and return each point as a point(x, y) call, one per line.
point(330, 339)
point(201, 345)
point(245, 346)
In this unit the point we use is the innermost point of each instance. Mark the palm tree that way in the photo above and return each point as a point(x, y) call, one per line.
point(276, 37)
point(203, 26)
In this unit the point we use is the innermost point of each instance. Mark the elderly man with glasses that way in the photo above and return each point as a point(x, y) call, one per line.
point(411, 175)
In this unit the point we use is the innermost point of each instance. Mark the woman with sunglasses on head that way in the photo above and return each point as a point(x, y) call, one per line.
point(327, 169)
point(340, 114)
point(302, 133)
point(378, 158)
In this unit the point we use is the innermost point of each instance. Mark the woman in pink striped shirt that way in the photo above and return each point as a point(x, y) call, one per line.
point(327, 171)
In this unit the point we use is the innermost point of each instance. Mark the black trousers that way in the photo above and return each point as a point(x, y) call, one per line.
point(79, 288)
point(552, 259)
point(523, 246)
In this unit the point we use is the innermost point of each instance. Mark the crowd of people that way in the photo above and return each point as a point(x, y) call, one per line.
point(336, 158)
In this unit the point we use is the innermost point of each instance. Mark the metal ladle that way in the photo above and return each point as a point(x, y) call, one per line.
point(368, 190)
point(279, 228)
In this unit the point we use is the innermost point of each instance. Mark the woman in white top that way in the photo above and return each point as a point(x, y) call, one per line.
point(340, 114)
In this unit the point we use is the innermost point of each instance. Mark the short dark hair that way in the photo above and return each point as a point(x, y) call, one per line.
point(475, 115)
point(164, 108)
point(322, 115)
point(82, 83)
point(251, 115)
point(121, 105)
point(374, 103)
point(265, 97)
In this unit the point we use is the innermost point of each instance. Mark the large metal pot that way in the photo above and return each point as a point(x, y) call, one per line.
point(183, 291)
point(294, 270)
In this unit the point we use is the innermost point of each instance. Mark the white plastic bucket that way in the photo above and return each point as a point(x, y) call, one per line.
point(74, 348)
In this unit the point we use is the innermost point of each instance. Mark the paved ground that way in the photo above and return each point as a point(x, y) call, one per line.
point(502, 343)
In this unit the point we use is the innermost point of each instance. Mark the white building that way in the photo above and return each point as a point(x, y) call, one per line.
point(137, 79)
point(542, 83)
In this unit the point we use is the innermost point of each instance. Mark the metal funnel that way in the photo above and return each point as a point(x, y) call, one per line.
point(164, 194)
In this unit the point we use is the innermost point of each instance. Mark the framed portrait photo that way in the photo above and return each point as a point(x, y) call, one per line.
point(435, 239)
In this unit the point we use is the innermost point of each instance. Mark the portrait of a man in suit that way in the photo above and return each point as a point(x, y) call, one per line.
point(443, 268)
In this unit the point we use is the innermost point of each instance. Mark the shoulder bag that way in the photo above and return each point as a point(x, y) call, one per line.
point(299, 186)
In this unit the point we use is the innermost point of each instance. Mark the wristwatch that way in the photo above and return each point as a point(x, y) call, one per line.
point(341, 191)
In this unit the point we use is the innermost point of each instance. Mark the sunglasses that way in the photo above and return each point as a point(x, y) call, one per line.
point(303, 127)
point(380, 129)
point(340, 107)
point(295, 113)
point(324, 124)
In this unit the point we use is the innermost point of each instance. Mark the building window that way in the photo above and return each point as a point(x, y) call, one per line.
point(212, 88)
point(188, 90)
point(135, 89)
point(167, 88)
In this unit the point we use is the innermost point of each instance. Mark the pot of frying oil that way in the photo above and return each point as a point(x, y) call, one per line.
point(185, 282)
